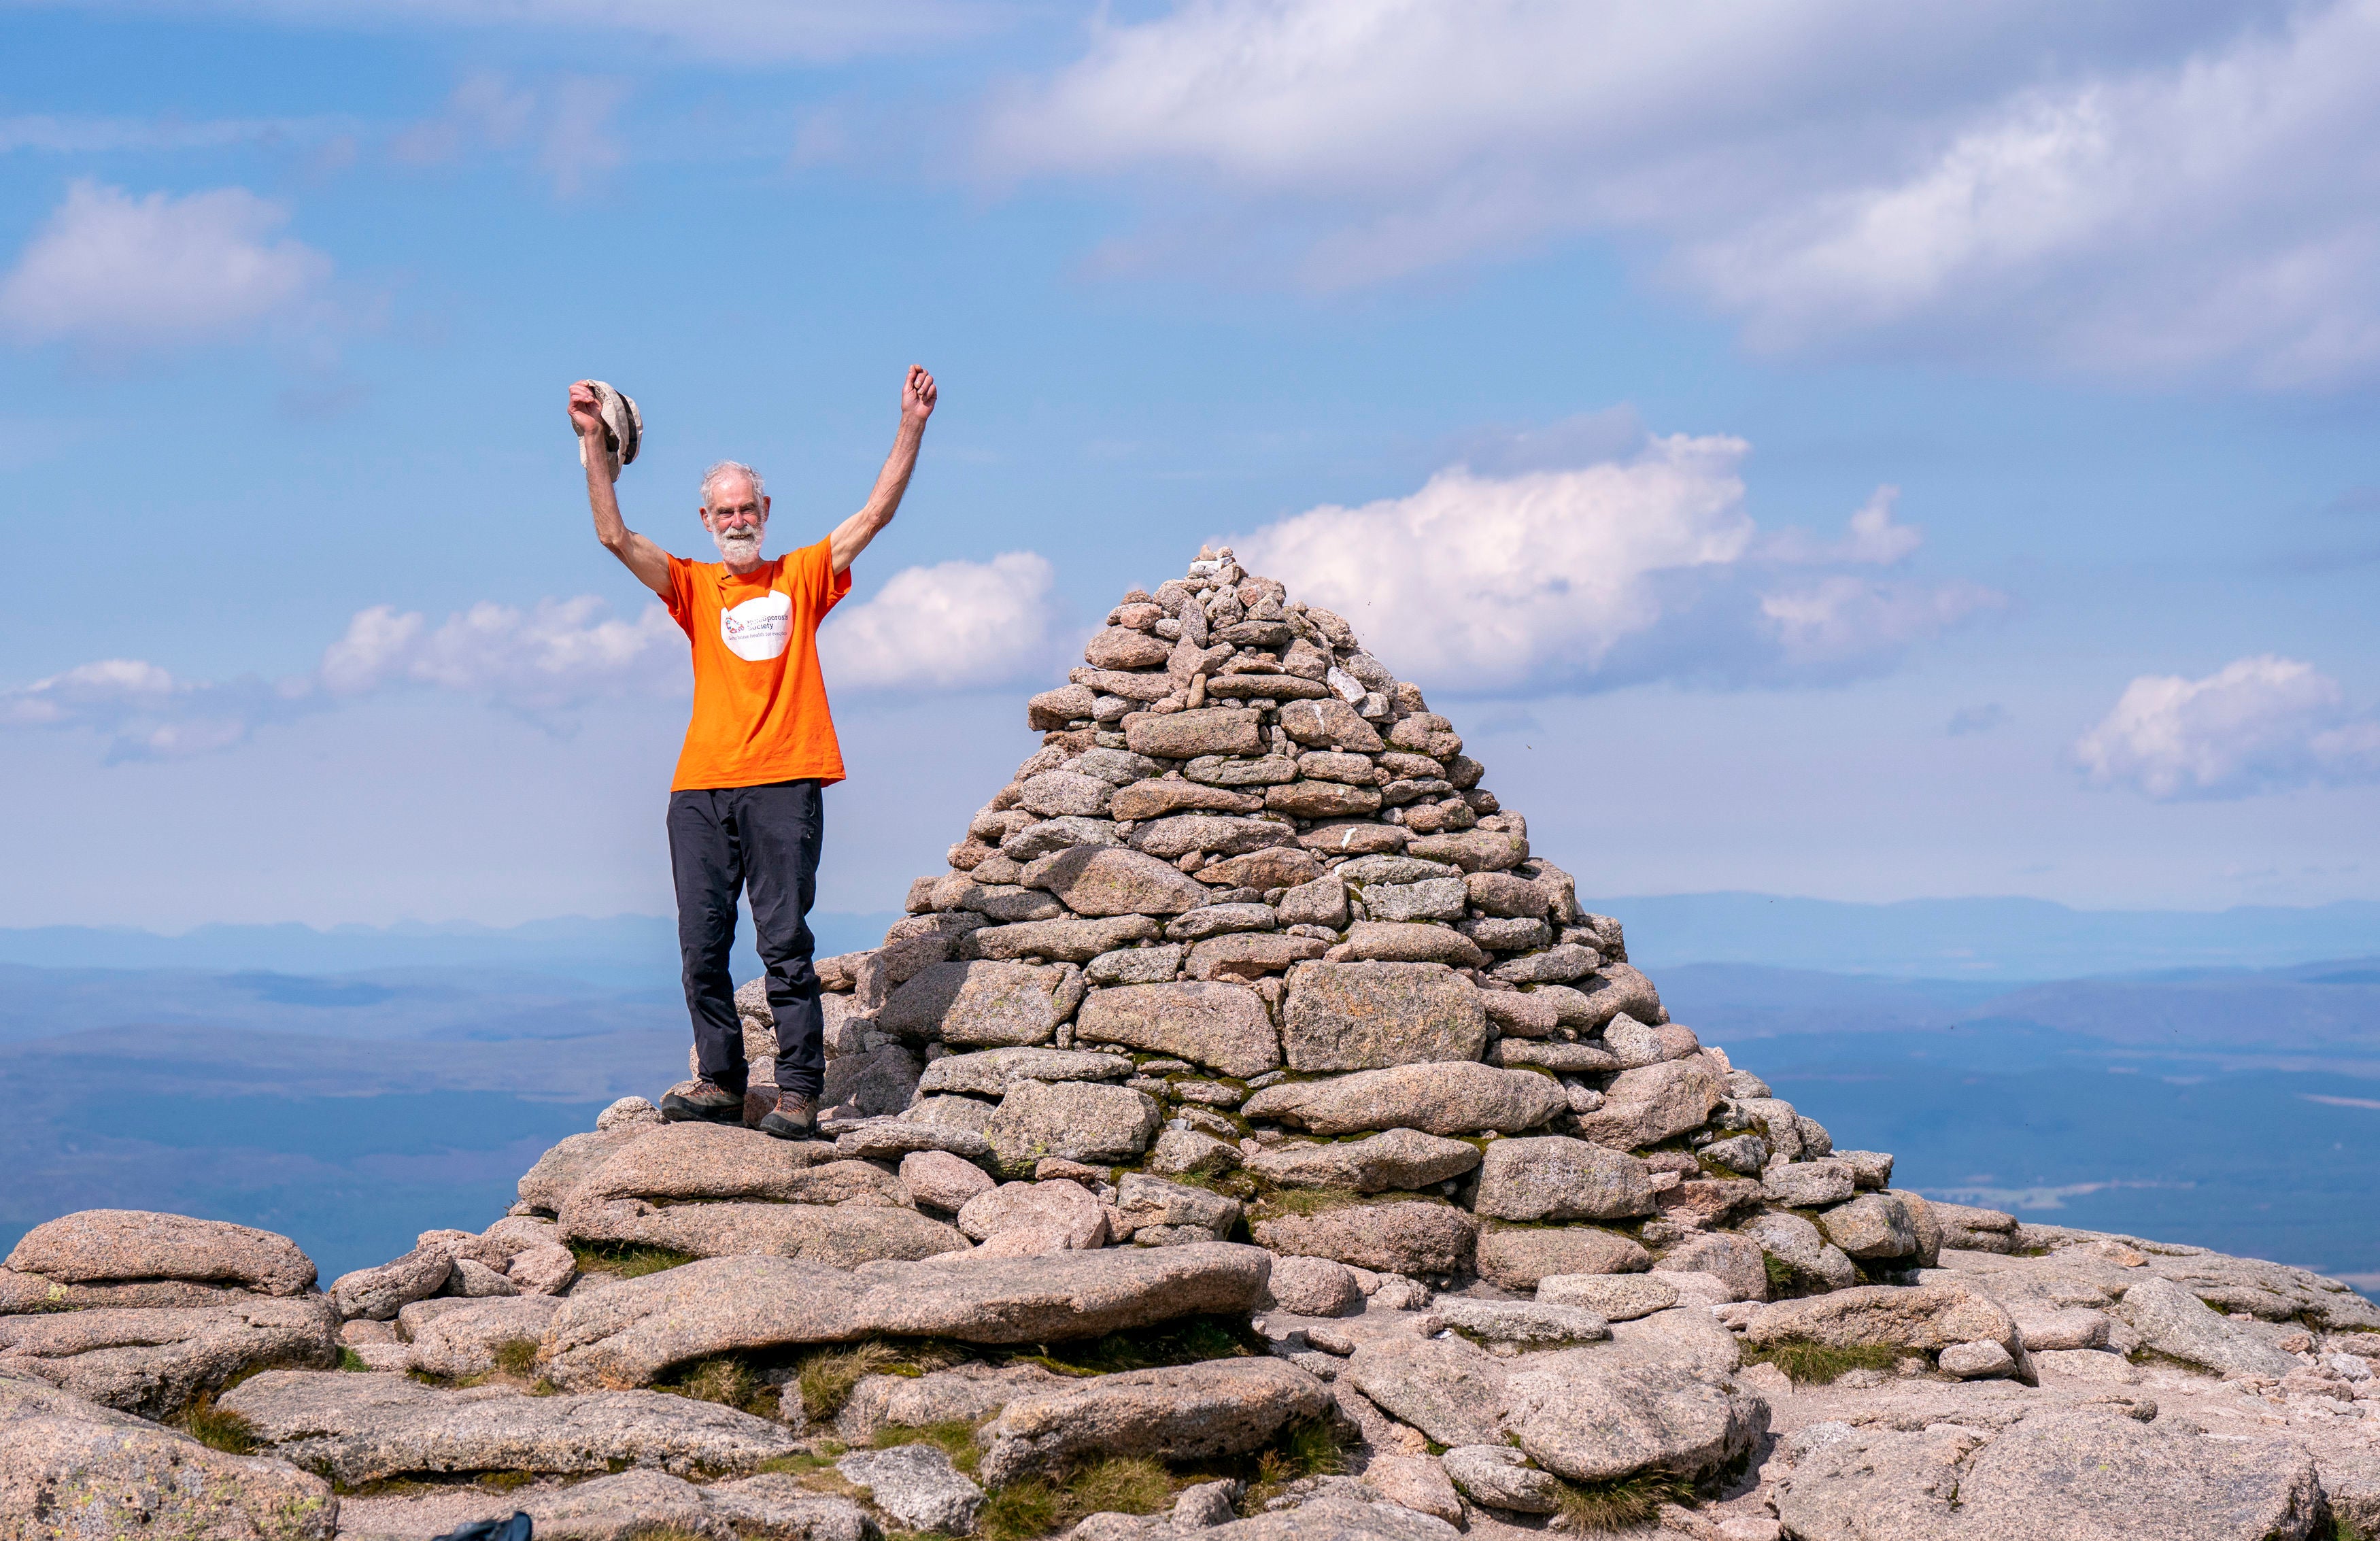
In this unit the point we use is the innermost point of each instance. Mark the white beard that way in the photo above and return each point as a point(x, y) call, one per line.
point(739, 545)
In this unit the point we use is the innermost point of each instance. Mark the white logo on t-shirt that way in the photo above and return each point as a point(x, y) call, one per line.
point(757, 629)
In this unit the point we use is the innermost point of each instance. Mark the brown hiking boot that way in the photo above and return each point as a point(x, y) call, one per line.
point(796, 1118)
point(702, 1102)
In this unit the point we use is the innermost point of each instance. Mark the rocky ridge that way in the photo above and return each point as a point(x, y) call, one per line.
point(1247, 1129)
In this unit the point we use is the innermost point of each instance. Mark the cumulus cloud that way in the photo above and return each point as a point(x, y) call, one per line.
point(955, 625)
point(948, 626)
point(120, 274)
point(2130, 189)
point(1640, 567)
point(2260, 725)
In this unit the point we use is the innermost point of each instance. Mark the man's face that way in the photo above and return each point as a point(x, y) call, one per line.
point(736, 519)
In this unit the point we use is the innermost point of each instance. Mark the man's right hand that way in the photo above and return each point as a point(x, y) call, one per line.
point(586, 411)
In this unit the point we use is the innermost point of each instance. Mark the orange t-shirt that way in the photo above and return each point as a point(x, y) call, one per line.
point(759, 703)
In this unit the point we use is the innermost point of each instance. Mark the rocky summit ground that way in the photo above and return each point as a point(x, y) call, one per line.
point(1247, 1133)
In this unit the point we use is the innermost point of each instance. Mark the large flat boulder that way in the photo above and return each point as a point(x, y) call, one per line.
point(1652, 1103)
point(682, 1162)
point(1407, 1236)
point(157, 1362)
point(1368, 1015)
point(100, 1245)
point(1183, 1413)
point(1550, 1177)
point(1926, 1317)
point(1221, 1025)
point(360, 1428)
point(2059, 1473)
point(1098, 881)
point(840, 1235)
point(1614, 990)
point(1516, 1257)
point(1187, 734)
point(635, 1332)
point(1593, 1416)
point(1219, 834)
point(1454, 1097)
point(991, 1072)
point(633, 1504)
point(1447, 1388)
point(1075, 1120)
point(980, 1004)
point(1403, 1160)
point(2177, 1323)
point(1070, 941)
point(70, 1467)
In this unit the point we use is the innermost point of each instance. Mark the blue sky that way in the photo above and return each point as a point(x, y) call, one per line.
point(1847, 451)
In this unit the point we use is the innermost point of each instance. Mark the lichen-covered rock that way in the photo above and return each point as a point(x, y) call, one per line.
point(839, 1235)
point(465, 1342)
point(991, 1072)
point(70, 1467)
point(157, 1362)
point(379, 1292)
point(1516, 1257)
point(965, 1393)
point(1406, 1236)
point(1502, 1477)
point(1446, 1387)
point(1079, 1120)
point(1582, 1415)
point(979, 1004)
point(546, 1186)
point(1065, 1206)
point(1551, 1177)
point(1223, 1026)
point(103, 1245)
point(1616, 1297)
point(1403, 1160)
point(360, 1428)
point(916, 1485)
point(1646, 1106)
point(1452, 1097)
point(1368, 1015)
point(1315, 1286)
point(2177, 1323)
point(1184, 1413)
point(942, 1180)
point(1925, 1318)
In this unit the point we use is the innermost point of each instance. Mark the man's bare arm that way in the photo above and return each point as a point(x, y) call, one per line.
point(918, 395)
point(641, 556)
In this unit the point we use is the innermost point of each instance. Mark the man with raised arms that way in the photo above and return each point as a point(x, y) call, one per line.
point(745, 810)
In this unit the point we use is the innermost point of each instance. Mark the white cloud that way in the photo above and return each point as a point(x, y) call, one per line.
point(2259, 724)
point(121, 274)
point(955, 625)
point(567, 121)
point(2132, 188)
point(945, 627)
point(1644, 566)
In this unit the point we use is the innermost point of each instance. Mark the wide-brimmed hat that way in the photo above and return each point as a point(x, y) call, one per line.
point(624, 428)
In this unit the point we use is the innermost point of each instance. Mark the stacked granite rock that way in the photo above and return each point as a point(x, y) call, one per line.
point(1250, 918)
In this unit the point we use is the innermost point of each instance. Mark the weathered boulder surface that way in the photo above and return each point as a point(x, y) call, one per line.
point(1184, 1413)
point(71, 1467)
point(1580, 1414)
point(1652, 1103)
point(634, 1332)
point(1926, 1317)
point(843, 1237)
point(1370, 1015)
point(991, 1072)
point(1409, 1236)
point(157, 1362)
point(916, 1485)
point(1403, 1159)
point(465, 1342)
point(360, 1428)
point(1219, 1025)
point(2177, 1323)
point(1552, 1177)
point(1502, 1477)
point(103, 1245)
point(982, 1004)
point(1516, 1257)
point(1075, 1120)
point(2059, 1473)
point(1451, 1097)
point(547, 1185)
point(1447, 1388)
point(681, 1162)
point(965, 1394)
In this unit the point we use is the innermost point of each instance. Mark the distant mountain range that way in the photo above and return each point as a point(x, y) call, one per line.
point(1998, 941)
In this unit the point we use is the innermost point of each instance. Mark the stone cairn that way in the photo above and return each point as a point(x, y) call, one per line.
point(1244, 1003)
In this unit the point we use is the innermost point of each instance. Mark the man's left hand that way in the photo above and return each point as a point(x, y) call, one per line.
point(918, 395)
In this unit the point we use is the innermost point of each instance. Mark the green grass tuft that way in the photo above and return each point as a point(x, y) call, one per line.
point(217, 1429)
point(1118, 1485)
point(828, 1376)
point(1808, 1364)
point(955, 1439)
point(1625, 1503)
point(351, 1360)
point(802, 1463)
point(503, 1482)
point(518, 1357)
point(1024, 1510)
point(627, 1262)
point(1186, 1340)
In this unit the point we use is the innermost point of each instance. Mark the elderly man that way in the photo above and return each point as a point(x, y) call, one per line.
point(744, 809)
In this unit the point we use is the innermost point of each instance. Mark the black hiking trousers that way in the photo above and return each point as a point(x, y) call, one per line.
point(762, 841)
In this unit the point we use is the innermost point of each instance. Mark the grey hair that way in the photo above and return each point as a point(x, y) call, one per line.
point(728, 468)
